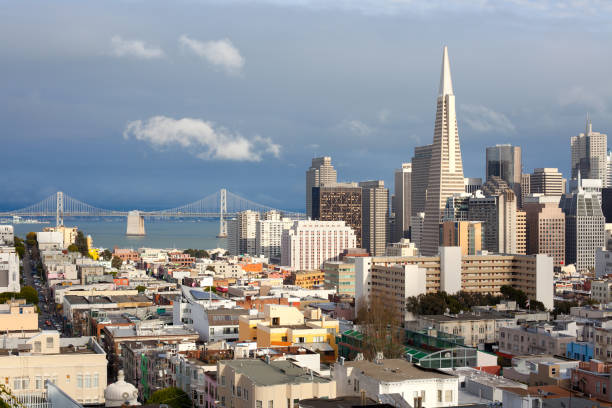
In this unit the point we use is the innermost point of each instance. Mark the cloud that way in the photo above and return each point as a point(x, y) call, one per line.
point(383, 115)
point(134, 48)
point(201, 138)
point(221, 53)
point(356, 127)
point(482, 119)
point(581, 98)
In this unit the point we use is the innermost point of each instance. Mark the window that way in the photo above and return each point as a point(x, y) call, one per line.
point(449, 396)
point(423, 395)
point(239, 391)
point(96, 380)
point(25, 383)
point(246, 394)
point(597, 387)
point(258, 404)
point(39, 383)
point(212, 331)
point(222, 380)
point(439, 395)
point(17, 384)
point(87, 381)
point(271, 404)
point(37, 347)
point(79, 380)
point(49, 342)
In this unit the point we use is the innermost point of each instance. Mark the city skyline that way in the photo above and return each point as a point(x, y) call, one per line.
point(72, 98)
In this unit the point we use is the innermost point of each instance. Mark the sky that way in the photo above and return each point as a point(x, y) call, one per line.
point(152, 104)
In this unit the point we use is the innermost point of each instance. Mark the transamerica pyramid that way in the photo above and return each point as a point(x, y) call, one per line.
point(445, 168)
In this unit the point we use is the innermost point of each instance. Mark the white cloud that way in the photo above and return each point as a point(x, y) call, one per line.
point(483, 119)
point(579, 97)
point(201, 138)
point(356, 127)
point(134, 48)
point(221, 53)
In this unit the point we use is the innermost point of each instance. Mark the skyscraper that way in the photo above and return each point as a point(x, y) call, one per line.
point(402, 203)
point(420, 178)
point(589, 150)
point(547, 181)
point(241, 233)
point(545, 227)
point(504, 161)
point(446, 168)
point(320, 172)
point(339, 202)
point(375, 216)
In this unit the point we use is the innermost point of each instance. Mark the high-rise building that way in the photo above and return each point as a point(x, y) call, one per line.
point(375, 216)
point(339, 202)
point(457, 207)
point(416, 228)
point(547, 181)
point(446, 168)
point(467, 235)
point(609, 170)
point(472, 184)
point(308, 244)
point(401, 202)
point(504, 161)
point(545, 226)
point(420, 178)
point(242, 232)
point(606, 203)
point(268, 234)
point(584, 228)
point(525, 187)
point(498, 212)
point(521, 232)
point(589, 155)
point(320, 172)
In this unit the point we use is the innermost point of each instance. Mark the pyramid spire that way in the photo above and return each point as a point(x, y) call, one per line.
point(446, 83)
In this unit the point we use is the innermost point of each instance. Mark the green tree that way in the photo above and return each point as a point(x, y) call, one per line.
point(81, 243)
point(141, 288)
point(197, 253)
point(29, 294)
point(73, 248)
point(511, 293)
point(107, 255)
point(172, 396)
point(381, 327)
point(116, 262)
point(31, 239)
point(210, 268)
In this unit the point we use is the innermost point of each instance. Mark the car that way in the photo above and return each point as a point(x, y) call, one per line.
point(48, 323)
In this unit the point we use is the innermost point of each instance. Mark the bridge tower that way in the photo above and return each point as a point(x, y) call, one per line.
point(222, 211)
point(59, 209)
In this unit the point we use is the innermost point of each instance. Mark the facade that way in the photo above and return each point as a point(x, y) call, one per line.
point(601, 290)
point(416, 229)
point(589, 155)
point(474, 328)
point(375, 216)
point(606, 202)
point(396, 278)
point(521, 232)
point(584, 228)
point(417, 386)
point(545, 227)
point(472, 184)
point(504, 161)
point(254, 383)
point(69, 233)
point(467, 235)
point(6, 235)
point(241, 233)
point(17, 316)
point(218, 324)
point(547, 181)
point(446, 168)
point(420, 179)
point(498, 212)
point(308, 244)
point(402, 202)
point(536, 339)
point(306, 279)
point(340, 276)
point(320, 172)
point(269, 232)
point(525, 186)
point(402, 248)
point(9, 270)
point(340, 202)
point(76, 365)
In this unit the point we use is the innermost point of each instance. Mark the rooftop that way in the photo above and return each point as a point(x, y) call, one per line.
point(274, 373)
point(396, 370)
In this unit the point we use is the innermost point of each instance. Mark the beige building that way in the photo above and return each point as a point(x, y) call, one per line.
point(242, 233)
point(475, 328)
point(402, 248)
point(340, 276)
point(537, 339)
point(69, 234)
point(375, 216)
point(467, 235)
point(17, 316)
point(76, 365)
point(548, 181)
point(545, 226)
point(254, 383)
point(320, 172)
point(521, 232)
point(589, 155)
point(402, 202)
point(396, 278)
point(601, 290)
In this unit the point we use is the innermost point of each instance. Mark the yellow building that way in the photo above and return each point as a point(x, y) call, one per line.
point(76, 365)
point(282, 325)
point(17, 316)
point(307, 279)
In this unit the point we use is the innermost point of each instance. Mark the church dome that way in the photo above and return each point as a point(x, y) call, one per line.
point(120, 392)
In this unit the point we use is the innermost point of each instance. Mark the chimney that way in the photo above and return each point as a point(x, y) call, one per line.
point(420, 402)
point(341, 360)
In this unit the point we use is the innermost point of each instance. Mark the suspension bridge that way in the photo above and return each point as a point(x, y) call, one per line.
point(221, 204)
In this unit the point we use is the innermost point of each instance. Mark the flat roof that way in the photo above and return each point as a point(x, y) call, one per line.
point(395, 370)
point(274, 373)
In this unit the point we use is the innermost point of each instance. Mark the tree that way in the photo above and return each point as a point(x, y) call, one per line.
point(381, 328)
point(31, 239)
point(511, 293)
point(107, 255)
point(81, 243)
point(141, 288)
point(73, 248)
point(116, 262)
point(29, 294)
point(210, 268)
point(172, 396)
point(197, 253)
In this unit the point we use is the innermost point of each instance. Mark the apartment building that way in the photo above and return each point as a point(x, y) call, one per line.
point(340, 202)
point(475, 328)
point(16, 316)
point(6, 235)
point(254, 383)
point(467, 235)
point(306, 279)
point(547, 181)
point(537, 339)
point(76, 365)
point(396, 278)
point(545, 224)
point(601, 290)
point(9, 270)
point(268, 234)
point(285, 325)
point(340, 276)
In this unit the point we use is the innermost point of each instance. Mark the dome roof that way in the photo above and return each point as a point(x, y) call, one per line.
point(120, 392)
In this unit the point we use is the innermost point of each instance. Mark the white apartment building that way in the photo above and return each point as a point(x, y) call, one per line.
point(601, 290)
point(241, 233)
point(9, 270)
point(268, 234)
point(382, 377)
point(308, 244)
point(537, 339)
point(6, 235)
point(50, 240)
